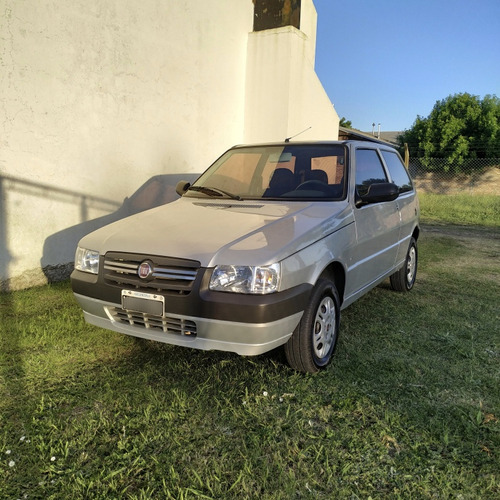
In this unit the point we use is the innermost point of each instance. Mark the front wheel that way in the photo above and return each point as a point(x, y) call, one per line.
point(404, 279)
point(313, 342)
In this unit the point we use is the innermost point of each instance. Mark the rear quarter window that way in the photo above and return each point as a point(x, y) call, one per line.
point(397, 171)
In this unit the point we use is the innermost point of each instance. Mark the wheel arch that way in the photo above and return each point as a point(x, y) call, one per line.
point(335, 272)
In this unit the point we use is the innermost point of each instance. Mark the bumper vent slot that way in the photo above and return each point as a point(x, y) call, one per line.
point(170, 325)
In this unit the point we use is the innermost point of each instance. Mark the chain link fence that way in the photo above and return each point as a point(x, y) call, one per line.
point(476, 176)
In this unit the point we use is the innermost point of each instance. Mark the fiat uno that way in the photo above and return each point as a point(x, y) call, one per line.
point(264, 249)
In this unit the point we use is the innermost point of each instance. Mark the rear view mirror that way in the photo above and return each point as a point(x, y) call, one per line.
point(182, 187)
point(281, 158)
point(377, 193)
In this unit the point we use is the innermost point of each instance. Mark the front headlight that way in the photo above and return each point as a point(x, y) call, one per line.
point(87, 260)
point(246, 279)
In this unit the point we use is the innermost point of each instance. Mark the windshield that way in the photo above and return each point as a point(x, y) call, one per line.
point(290, 172)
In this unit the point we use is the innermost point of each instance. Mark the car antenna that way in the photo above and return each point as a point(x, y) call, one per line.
point(294, 136)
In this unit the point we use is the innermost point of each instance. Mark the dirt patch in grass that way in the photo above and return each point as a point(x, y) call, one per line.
point(484, 243)
point(464, 233)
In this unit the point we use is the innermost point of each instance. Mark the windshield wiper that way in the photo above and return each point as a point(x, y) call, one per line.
point(213, 191)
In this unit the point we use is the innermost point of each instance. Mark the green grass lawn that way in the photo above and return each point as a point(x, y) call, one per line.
point(463, 209)
point(409, 408)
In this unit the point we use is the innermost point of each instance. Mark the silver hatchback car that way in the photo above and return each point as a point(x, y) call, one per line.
point(264, 249)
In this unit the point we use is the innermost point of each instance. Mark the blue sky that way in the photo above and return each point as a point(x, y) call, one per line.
point(388, 61)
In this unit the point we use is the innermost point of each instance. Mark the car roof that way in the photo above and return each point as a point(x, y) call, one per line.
point(355, 143)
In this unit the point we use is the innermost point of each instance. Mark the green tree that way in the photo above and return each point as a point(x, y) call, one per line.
point(345, 123)
point(488, 136)
point(459, 128)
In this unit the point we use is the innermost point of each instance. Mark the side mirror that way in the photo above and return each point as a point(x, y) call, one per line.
point(182, 187)
point(377, 193)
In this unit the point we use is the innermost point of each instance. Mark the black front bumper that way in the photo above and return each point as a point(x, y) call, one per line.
point(204, 303)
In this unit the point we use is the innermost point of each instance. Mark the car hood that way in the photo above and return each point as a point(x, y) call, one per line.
point(223, 232)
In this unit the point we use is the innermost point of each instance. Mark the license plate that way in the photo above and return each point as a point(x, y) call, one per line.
point(146, 303)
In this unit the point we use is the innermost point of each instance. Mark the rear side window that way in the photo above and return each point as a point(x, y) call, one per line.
point(369, 170)
point(397, 171)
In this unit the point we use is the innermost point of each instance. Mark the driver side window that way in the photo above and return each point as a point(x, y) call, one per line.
point(369, 170)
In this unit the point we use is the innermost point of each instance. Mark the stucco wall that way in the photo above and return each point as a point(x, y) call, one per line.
point(284, 95)
point(98, 96)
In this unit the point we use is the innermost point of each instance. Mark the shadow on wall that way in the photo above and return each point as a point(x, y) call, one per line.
point(5, 255)
point(59, 249)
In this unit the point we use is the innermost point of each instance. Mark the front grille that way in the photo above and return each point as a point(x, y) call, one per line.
point(174, 326)
point(168, 274)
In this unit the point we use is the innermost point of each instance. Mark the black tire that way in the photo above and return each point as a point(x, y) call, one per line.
point(313, 342)
point(404, 279)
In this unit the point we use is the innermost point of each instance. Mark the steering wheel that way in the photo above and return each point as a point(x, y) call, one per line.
point(313, 185)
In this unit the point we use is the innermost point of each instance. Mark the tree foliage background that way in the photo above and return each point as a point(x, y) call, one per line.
point(459, 129)
point(344, 122)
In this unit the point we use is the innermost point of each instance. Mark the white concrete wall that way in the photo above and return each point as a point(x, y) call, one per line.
point(284, 95)
point(97, 96)
point(308, 25)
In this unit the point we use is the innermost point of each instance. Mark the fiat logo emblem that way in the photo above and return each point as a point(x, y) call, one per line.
point(145, 270)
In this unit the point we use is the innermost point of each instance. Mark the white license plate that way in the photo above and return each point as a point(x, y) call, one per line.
point(146, 303)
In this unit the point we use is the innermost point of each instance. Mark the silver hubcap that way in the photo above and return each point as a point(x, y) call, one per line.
point(411, 265)
point(324, 327)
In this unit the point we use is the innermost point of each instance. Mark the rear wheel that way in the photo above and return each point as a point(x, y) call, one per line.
point(404, 279)
point(313, 342)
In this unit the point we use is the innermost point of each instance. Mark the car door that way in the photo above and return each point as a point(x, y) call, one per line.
point(377, 226)
point(407, 202)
